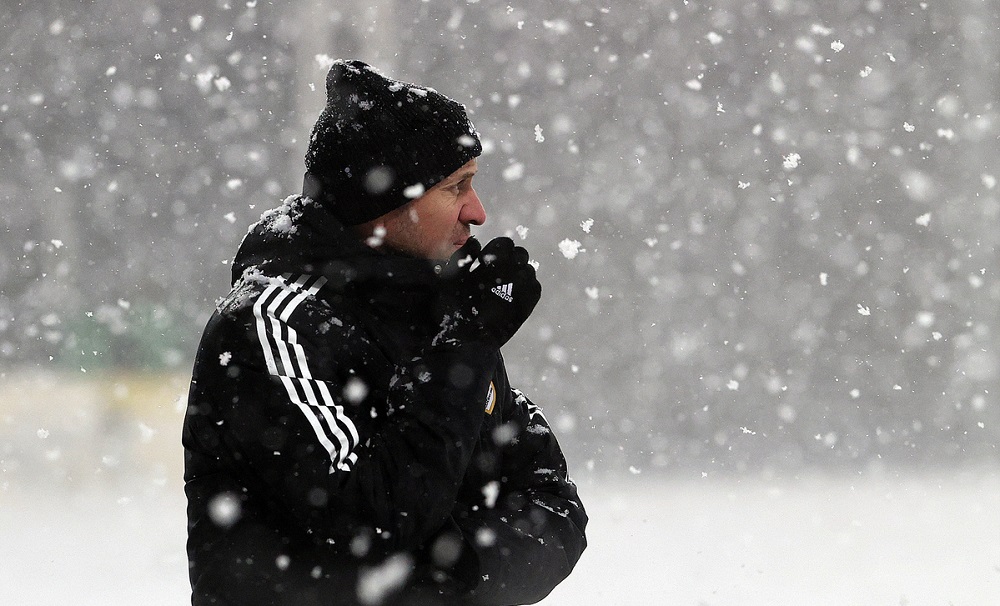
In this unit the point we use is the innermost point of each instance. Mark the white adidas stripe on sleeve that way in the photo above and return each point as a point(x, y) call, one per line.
point(286, 359)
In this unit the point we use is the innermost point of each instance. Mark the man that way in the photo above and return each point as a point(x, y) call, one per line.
point(351, 435)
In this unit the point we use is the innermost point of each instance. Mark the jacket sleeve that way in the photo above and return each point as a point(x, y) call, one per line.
point(531, 537)
point(363, 468)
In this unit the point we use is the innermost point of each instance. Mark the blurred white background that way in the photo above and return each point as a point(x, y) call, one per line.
point(766, 233)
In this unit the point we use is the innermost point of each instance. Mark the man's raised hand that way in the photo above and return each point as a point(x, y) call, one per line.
point(487, 292)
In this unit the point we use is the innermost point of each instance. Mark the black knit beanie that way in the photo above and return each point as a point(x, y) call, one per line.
point(380, 143)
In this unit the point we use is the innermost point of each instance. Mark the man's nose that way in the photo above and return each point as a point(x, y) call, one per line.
point(473, 211)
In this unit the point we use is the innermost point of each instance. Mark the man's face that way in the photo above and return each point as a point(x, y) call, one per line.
point(437, 223)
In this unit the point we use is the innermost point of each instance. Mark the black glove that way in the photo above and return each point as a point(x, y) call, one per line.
point(486, 293)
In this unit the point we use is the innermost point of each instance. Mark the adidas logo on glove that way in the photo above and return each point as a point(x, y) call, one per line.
point(504, 292)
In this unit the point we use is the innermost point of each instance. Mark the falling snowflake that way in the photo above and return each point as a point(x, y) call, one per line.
point(570, 248)
point(485, 537)
point(146, 433)
point(864, 311)
point(558, 26)
point(513, 172)
point(375, 584)
point(414, 191)
point(791, 160)
point(355, 390)
point(324, 61)
point(837, 46)
point(491, 491)
point(377, 238)
point(224, 509)
point(777, 84)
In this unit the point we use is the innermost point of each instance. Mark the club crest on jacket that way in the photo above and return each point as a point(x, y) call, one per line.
point(491, 398)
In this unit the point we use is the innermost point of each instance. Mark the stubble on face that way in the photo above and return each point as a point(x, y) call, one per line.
point(430, 227)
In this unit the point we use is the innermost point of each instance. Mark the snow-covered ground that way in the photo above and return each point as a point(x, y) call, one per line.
point(888, 541)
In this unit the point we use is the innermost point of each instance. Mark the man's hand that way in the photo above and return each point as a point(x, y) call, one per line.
point(486, 293)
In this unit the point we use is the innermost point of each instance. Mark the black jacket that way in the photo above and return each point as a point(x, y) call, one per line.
point(332, 456)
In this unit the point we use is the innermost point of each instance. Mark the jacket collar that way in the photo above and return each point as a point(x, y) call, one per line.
point(302, 237)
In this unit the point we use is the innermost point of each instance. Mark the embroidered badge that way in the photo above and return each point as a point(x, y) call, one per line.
point(491, 398)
